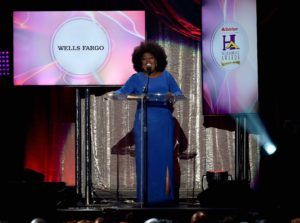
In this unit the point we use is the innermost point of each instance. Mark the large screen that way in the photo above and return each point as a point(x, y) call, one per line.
point(75, 48)
point(229, 57)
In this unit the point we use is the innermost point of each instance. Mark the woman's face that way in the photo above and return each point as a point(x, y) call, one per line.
point(148, 60)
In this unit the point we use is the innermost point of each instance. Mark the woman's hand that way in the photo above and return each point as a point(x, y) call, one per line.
point(109, 95)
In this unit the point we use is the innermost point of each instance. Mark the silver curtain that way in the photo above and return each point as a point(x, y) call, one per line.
point(113, 161)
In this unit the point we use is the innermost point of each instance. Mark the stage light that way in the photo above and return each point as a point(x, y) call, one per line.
point(215, 178)
point(256, 125)
point(4, 63)
point(270, 148)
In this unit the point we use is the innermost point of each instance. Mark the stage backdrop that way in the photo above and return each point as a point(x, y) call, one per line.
point(113, 161)
point(113, 157)
point(61, 53)
point(229, 46)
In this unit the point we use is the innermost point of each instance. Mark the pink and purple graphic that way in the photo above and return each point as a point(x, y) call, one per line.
point(75, 48)
point(229, 57)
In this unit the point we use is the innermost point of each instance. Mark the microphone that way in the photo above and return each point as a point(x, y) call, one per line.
point(149, 68)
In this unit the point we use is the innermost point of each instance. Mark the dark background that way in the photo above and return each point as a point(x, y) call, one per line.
point(278, 64)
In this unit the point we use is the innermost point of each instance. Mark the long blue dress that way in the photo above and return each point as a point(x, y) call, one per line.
point(160, 147)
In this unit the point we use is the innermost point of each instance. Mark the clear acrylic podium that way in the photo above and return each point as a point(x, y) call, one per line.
point(150, 97)
point(144, 98)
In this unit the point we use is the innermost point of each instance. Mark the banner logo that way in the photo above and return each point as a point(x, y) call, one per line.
point(229, 46)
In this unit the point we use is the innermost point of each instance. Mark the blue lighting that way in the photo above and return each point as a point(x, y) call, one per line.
point(270, 148)
point(255, 124)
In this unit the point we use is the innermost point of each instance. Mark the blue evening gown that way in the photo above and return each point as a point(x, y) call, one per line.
point(160, 155)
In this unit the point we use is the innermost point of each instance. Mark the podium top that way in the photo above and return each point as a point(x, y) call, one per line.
point(149, 97)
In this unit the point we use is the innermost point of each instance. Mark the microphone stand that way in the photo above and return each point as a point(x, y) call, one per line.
point(145, 88)
point(144, 152)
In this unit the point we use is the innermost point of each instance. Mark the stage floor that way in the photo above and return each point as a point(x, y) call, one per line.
point(57, 204)
point(128, 211)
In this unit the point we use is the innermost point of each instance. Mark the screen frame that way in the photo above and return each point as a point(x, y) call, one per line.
point(76, 84)
point(212, 84)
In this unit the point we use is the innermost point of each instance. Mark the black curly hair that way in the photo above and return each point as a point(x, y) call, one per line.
point(149, 47)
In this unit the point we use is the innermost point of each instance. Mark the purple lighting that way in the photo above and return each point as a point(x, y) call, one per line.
point(4, 62)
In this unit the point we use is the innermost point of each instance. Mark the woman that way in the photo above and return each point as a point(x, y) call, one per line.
point(150, 60)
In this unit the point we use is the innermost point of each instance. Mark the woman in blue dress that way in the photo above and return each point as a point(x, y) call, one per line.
point(150, 60)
